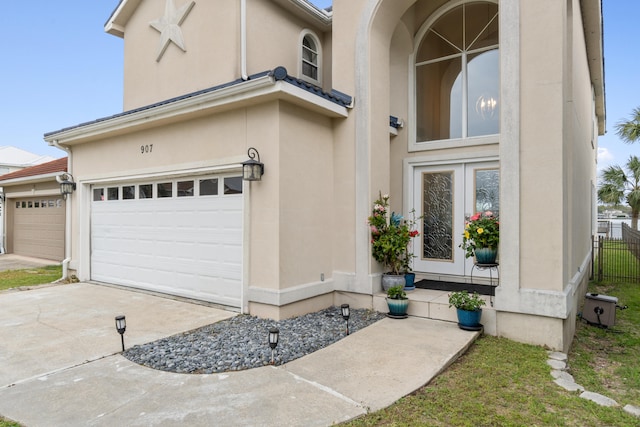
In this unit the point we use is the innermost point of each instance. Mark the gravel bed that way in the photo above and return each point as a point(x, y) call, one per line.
point(241, 342)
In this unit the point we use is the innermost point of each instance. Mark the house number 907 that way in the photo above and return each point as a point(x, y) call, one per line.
point(145, 149)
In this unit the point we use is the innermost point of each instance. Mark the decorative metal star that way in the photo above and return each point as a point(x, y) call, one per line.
point(169, 26)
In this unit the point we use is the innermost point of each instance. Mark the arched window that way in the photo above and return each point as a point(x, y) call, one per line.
point(457, 74)
point(310, 58)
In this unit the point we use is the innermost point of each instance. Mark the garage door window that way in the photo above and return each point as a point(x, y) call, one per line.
point(209, 187)
point(146, 191)
point(233, 185)
point(129, 192)
point(113, 193)
point(165, 189)
point(98, 194)
point(185, 188)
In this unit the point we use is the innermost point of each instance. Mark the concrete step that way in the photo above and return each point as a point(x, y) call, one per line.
point(432, 304)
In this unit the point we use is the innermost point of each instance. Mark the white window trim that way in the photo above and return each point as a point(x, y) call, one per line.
point(307, 32)
point(413, 145)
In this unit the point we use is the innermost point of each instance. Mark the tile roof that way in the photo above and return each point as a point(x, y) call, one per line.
point(278, 73)
point(58, 165)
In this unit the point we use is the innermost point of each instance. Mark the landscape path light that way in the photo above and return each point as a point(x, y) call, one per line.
point(344, 308)
point(273, 342)
point(121, 326)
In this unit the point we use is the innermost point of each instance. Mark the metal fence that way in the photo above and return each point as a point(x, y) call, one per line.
point(616, 258)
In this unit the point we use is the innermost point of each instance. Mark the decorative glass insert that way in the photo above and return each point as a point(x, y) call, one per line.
point(113, 193)
point(437, 205)
point(185, 188)
point(233, 185)
point(209, 187)
point(487, 183)
point(165, 189)
point(128, 192)
point(145, 191)
point(457, 75)
point(98, 194)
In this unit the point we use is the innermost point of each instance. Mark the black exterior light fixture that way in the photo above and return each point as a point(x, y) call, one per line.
point(67, 185)
point(273, 342)
point(252, 169)
point(121, 326)
point(344, 308)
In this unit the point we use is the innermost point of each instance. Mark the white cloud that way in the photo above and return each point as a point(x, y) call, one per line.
point(604, 155)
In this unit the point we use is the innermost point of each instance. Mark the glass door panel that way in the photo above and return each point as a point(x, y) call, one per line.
point(446, 195)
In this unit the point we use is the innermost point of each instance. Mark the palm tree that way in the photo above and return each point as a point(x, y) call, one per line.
point(618, 186)
point(630, 131)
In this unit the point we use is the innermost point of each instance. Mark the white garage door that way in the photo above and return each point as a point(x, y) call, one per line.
point(181, 237)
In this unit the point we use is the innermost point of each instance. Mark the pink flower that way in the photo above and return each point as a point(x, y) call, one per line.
point(374, 229)
point(476, 216)
point(488, 213)
point(414, 233)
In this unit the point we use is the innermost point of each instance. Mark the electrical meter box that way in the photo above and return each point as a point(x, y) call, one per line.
point(600, 309)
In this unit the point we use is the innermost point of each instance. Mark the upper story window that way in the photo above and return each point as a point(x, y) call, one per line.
point(457, 75)
point(310, 57)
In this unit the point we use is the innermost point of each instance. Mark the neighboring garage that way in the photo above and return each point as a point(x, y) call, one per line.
point(38, 227)
point(34, 211)
point(181, 236)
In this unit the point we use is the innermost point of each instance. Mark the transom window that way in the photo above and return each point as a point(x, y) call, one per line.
point(457, 75)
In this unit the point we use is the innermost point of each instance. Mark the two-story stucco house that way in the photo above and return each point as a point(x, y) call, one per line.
point(449, 106)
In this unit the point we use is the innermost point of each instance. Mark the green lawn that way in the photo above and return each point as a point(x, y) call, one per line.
point(502, 383)
point(6, 423)
point(29, 277)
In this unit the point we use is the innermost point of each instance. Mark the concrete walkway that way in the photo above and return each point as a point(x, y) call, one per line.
point(19, 262)
point(60, 365)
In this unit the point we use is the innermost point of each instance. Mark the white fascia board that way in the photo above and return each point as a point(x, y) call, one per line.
point(244, 94)
point(32, 179)
point(117, 22)
point(307, 11)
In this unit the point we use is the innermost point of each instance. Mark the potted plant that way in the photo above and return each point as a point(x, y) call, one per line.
point(397, 302)
point(469, 309)
point(481, 237)
point(390, 238)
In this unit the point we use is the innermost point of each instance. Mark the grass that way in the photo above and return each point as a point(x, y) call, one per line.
point(7, 423)
point(29, 277)
point(499, 382)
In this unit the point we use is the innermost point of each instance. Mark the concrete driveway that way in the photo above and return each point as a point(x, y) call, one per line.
point(18, 262)
point(60, 365)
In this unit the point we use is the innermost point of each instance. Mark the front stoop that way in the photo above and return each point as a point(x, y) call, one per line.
point(432, 304)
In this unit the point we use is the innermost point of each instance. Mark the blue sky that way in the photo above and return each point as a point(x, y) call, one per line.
point(60, 68)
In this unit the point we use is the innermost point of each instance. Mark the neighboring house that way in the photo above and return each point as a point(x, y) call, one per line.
point(13, 159)
point(34, 211)
point(449, 106)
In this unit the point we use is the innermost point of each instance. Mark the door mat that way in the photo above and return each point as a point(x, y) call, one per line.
point(452, 287)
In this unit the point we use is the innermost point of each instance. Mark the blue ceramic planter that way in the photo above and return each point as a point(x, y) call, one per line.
point(470, 319)
point(486, 255)
point(397, 307)
point(409, 281)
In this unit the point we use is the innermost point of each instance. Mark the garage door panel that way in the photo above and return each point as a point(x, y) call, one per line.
point(38, 227)
point(188, 246)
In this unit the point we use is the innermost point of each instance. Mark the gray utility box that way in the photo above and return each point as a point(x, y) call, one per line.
point(600, 309)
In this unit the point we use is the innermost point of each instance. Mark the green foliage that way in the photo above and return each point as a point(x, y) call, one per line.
point(482, 230)
point(390, 236)
point(618, 185)
point(6, 423)
point(466, 301)
point(629, 131)
point(29, 277)
point(396, 292)
point(498, 382)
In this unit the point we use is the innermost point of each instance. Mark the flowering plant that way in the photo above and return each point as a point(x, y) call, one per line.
point(390, 236)
point(482, 230)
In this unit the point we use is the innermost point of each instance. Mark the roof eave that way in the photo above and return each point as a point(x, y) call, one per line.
point(310, 13)
point(251, 92)
point(51, 176)
point(593, 34)
point(117, 22)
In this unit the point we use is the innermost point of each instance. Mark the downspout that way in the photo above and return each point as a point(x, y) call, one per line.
point(3, 215)
point(243, 40)
point(67, 225)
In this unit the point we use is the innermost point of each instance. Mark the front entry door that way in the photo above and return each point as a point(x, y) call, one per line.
point(445, 195)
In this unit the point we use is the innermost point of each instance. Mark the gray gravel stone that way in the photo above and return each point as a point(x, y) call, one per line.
point(241, 342)
point(599, 399)
point(556, 355)
point(569, 385)
point(556, 364)
point(633, 410)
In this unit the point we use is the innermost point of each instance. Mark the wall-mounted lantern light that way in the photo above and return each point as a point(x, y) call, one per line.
point(252, 169)
point(344, 308)
point(273, 342)
point(67, 185)
point(121, 326)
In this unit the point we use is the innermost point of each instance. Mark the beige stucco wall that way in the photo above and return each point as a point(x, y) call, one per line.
point(211, 34)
